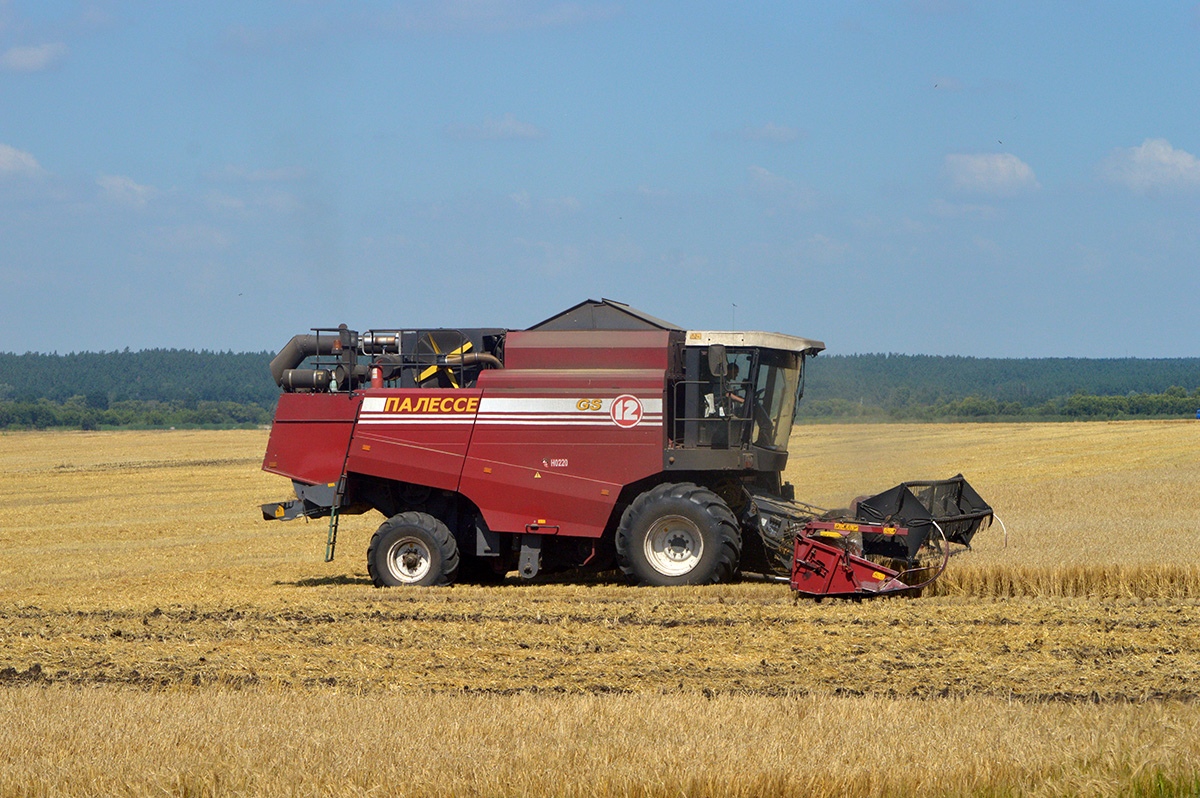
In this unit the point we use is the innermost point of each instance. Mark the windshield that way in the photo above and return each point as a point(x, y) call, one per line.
point(775, 391)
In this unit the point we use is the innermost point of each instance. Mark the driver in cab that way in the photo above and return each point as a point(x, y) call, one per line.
point(735, 398)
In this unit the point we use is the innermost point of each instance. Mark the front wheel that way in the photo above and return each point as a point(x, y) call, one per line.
point(412, 549)
point(678, 534)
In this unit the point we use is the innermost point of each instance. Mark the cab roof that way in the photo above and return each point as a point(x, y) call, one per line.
point(605, 314)
point(752, 338)
point(608, 314)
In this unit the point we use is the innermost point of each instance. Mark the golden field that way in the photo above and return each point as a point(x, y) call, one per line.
point(157, 637)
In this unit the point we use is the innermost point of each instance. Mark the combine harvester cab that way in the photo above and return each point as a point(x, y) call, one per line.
point(599, 438)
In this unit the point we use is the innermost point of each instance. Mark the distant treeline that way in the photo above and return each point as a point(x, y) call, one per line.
point(1173, 403)
point(181, 388)
point(925, 387)
point(150, 388)
point(151, 375)
point(75, 413)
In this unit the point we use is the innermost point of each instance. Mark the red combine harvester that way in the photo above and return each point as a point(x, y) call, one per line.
point(600, 437)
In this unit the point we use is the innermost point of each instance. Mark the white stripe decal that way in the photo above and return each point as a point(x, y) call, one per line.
point(381, 421)
point(513, 411)
point(506, 404)
point(562, 424)
point(423, 416)
point(499, 422)
point(553, 417)
point(524, 404)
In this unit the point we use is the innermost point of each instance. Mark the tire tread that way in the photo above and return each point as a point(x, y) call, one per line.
point(438, 532)
point(729, 533)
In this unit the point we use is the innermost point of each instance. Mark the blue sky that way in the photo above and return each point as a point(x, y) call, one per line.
point(919, 176)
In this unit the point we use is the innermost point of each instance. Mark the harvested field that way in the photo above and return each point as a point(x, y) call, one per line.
point(742, 639)
point(140, 592)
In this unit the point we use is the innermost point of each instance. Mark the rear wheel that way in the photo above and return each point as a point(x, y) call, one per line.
point(412, 549)
point(678, 534)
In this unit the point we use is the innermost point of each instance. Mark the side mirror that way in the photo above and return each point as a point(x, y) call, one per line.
point(718, 366)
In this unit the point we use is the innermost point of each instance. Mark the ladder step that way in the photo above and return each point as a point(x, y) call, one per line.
point(331, 542)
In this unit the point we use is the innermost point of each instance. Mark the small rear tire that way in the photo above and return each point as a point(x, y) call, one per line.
point(412, 549)
point(678, 534)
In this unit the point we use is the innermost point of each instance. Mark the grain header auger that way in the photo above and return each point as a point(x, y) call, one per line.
point(601, 437)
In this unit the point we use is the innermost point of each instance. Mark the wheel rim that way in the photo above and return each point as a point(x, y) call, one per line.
point(409, 559)
point(674, 545)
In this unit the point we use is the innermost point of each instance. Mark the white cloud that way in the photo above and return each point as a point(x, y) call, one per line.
point(421, 17)
point(775, 192)
point(507, 127)
point(17, 162)
point(547, 258)
point(219, 201)
point(935, 8)
point(192, 238)
point(521, 200)
point(496, 16)
point(33, 59)
point(270, 200)
point(240, 38)
point(551, 206)
point(94, 16)
point(122, 189)
point(952, 84)
point(989, 248)
point(562, 205)
point(653, 192)
point(963, 210)
point(770, 134)
point(231, 173)
point(1002, 174)
point(1154, 166)
point(764, 180)
point(824, 249)
point(280, 202)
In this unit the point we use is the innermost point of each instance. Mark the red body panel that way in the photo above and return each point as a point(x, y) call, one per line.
point(560, 457)
point(417, 436)
point(310, 435)
point(585, 349)
point(548, 441)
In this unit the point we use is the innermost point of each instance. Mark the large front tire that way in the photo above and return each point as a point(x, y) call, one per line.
point(412, 549)
point(678, 534)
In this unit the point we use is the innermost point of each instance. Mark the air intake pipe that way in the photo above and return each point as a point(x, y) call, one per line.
point(393, 365)
point(300, 347)
point(472, 358)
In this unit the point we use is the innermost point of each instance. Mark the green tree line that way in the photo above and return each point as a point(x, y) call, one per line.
point(148, 388)
point(77, 414)
point(895, 380)
point(1172, 403)
point(184, 388)
point(158, 375)
point(927, 387)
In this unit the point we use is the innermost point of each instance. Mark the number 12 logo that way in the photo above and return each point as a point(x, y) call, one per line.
point(626, 411)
